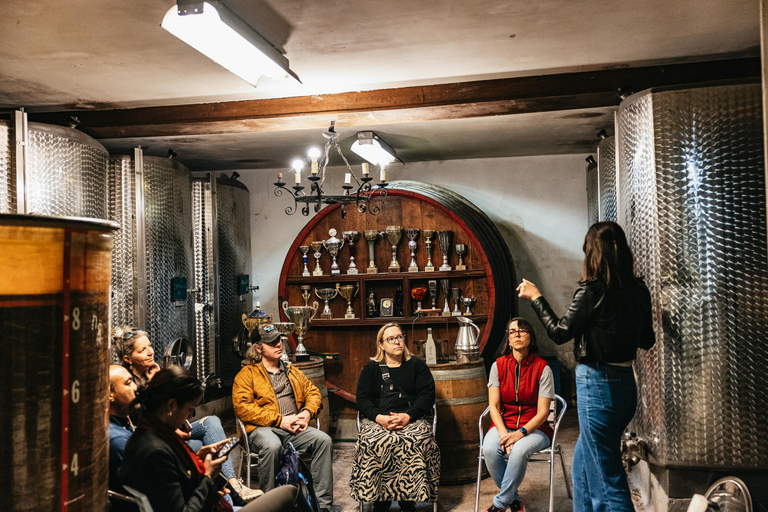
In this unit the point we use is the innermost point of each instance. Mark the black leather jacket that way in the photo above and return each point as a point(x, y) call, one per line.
point(609, 324)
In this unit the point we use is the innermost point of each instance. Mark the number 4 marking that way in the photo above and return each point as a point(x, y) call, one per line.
point(74, 467)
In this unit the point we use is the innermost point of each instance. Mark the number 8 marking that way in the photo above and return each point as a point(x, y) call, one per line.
point(76, 319)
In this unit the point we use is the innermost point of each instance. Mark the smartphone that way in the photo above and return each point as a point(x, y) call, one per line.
point(228, 446)
point(187, 427)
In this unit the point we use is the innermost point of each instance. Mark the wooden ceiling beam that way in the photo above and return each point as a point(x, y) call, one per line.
point(566, 91)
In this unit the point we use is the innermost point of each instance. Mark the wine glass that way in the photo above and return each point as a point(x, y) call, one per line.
point(418, 294)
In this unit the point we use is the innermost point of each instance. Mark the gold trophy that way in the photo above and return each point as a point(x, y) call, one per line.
point(317, 246)
point(371, 235)
point(412, 234)
point(461, 250)
point(305, 293)
point(348, 291)
point(300, 316)
point(429, 234)
point(394, 233)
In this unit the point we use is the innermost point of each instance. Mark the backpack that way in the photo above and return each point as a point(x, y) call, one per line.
point(295, 472)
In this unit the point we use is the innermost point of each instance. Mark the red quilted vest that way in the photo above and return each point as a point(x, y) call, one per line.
point(519, 387)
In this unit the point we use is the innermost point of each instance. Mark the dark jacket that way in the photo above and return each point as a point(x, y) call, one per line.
point(152, 467)
point(608, 323)
point(412, 376)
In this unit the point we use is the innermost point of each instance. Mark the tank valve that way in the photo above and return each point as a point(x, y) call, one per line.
point(633, 450)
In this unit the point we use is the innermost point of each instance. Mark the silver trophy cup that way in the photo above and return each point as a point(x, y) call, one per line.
point(412, 234)
point(300, 316)
point(444, 239)
point(326, 294)
point(333, 245)
point(351, 238)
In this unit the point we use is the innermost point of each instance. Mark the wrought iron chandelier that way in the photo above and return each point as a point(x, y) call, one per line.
point(318, 162)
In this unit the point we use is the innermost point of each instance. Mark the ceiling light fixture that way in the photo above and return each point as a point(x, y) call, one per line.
point(219, 34)
point(318, 162)
point(374, 149)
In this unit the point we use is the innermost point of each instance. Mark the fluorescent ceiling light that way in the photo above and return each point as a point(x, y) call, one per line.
point(219, 34)
point(375, 150)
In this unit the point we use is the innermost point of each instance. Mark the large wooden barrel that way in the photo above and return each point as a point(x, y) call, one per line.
point(461, 396)
point(314, 371)
point(54, 340)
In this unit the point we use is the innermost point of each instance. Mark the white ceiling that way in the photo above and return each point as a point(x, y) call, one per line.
point(106, 54)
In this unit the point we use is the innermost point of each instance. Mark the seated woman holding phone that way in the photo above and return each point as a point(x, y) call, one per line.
point(135, 351)
point(160, 465)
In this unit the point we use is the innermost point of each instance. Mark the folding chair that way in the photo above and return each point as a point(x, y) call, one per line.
point(434, 430)
point(546, 455)
point(249, 458)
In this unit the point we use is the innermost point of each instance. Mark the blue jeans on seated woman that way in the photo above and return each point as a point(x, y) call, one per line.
point(509, 474)
point(607, 398)
point(208, 430)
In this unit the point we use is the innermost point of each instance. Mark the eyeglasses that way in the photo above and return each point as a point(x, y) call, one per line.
point(392, 340)
point(520, 332)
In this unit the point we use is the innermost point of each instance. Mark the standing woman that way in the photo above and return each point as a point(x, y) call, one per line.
point(135, 352)
point(396, 456)
point(610, 318)
point(520, 390)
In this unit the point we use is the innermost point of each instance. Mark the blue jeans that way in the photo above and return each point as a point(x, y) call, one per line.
point(607, 398)
point(509, 474)
point(208, 430)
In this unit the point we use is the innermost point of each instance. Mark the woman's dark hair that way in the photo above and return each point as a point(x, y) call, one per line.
point(170, 382)
point(607, 256)
point(522, 323)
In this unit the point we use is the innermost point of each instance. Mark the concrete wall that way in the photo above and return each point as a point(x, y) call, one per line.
point(539, 205)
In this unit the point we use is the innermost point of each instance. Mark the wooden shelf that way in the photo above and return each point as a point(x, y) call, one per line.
point(344, 322)
point(384, 276)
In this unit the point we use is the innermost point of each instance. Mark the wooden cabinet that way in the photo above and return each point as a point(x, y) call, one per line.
point(354, 339)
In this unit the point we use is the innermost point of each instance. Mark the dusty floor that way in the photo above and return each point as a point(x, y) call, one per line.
point(461, 498)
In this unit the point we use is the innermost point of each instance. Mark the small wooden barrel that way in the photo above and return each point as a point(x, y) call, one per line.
point(315, 372)
point(461, 396)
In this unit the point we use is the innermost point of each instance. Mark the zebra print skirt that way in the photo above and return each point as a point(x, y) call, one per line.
point(396, 465)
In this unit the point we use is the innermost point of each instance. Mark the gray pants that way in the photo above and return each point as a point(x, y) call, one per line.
point(268, 442)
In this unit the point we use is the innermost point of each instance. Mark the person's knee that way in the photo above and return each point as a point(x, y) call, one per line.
point(211, 422)
point(324, 439)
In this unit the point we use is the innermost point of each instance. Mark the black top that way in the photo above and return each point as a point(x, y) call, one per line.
point(412, 376)
point(609, 323)
point(153, 468)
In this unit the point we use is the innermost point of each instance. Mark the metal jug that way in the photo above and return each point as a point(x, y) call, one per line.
point(467, 349)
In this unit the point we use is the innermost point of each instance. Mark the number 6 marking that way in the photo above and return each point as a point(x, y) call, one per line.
point(76, 319)
point(75, 391)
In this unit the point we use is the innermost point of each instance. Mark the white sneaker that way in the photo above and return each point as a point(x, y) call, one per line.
point(246, 493)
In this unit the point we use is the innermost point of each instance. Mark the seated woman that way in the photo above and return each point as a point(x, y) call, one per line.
point(396, 456)
point(160, 465)
point(520, 390)
point(135, 351)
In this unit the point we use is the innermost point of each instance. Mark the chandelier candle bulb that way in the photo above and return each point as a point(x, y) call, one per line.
point(298, 176)
point(383, 175)
point(347, 178)
point(279, 176)
point(365, 169)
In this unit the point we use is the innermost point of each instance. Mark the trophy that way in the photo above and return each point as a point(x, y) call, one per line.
point(284, 328)
point(371, 235)
point(351, 238)
point(468, 303)
point(348, 291)
point(456, 293)
point(300, 316)
point(255, 318)
point(444, 238)
point(305, 293)
point(326, 294)
point(432, 283)
point(418, 294)
point(333, 245)
point(429, 234)
point(304, 250)
point(317, 246)
point(445, 287)
point(461, 250)
point(412, 234)
point(394, 233)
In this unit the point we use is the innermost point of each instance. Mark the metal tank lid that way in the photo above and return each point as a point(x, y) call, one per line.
point(78, 223)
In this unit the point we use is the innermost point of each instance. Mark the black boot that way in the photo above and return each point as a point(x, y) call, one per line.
point(381, 506)
point(407, 506)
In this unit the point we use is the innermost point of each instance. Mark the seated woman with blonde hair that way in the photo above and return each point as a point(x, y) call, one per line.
point(396, 456)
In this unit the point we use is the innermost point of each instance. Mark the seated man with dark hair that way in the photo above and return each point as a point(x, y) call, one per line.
point(275, 400)
point(122, 391)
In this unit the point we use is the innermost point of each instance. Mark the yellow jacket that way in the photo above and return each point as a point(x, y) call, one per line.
point(255, 401)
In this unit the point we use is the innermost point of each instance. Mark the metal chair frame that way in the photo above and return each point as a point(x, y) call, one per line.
point(434, 429)
point(249, 458)
point(546, 455)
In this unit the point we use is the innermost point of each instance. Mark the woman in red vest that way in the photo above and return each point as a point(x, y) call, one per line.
point(520, 390)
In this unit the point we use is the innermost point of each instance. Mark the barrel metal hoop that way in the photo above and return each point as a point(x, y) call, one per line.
point(469, 373)
point(462, 401)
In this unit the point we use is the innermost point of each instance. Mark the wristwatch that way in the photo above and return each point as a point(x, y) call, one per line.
point(523, 431)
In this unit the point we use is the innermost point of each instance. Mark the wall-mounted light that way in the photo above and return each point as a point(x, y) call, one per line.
point(371, 147)
point(219, 34)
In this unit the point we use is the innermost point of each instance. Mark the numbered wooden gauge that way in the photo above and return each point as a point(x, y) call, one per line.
point(54, 356)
